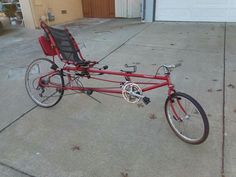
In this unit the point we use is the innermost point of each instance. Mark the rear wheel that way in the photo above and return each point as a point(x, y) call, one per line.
point(42, 95)
point(187, 118)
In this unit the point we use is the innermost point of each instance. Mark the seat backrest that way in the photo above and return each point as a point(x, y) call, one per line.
point(64, 44)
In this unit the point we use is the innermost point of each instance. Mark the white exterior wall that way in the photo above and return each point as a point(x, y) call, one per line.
point(127, 8)
point(196, 10)
point(27, 13)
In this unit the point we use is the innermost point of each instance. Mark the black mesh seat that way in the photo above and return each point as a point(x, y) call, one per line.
point(65, 44)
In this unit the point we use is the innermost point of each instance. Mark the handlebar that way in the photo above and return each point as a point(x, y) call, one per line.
point(168, 68)
point(171, 67)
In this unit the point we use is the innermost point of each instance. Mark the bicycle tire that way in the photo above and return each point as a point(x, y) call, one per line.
point(198, 110)
point(32, 86)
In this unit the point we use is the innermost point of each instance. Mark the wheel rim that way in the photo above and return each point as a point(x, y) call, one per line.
point(43, 96)
point(190, 127)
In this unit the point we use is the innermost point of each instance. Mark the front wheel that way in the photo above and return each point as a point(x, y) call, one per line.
point(187, 118)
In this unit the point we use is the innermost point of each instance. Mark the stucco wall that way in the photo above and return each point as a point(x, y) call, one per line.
point(27, 14)
point(41, 8)
point(73, 8)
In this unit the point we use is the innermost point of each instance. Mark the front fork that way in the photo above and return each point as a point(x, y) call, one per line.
point(171, 92)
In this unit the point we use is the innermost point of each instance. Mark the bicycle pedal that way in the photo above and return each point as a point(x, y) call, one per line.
point(105, 67)
point(146, 100)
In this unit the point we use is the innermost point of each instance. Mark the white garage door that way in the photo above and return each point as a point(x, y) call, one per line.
point(196, 10)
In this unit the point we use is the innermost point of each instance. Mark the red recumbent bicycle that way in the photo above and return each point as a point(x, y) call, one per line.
point(46, 82)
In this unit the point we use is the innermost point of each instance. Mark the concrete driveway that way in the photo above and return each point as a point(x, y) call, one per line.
point(81, 137)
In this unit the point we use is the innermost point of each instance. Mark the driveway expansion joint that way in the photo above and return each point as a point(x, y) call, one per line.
point(223, 107)
point(117, 48)
point(21, 116)
point(15, 169)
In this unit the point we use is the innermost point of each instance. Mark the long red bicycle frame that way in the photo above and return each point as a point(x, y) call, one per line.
point(122, 74)
point(165, 79)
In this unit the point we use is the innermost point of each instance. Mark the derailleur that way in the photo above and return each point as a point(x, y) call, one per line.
point(41, 88)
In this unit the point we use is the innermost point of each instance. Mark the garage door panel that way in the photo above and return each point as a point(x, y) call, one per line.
point(209, 6)
point(208, 13)
point(210, 2)
point(192, 3)
point(164, 14)
point(197, 10)
point(231, 4)
point(172, 4)
point(192, 15)
point(231, 15)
